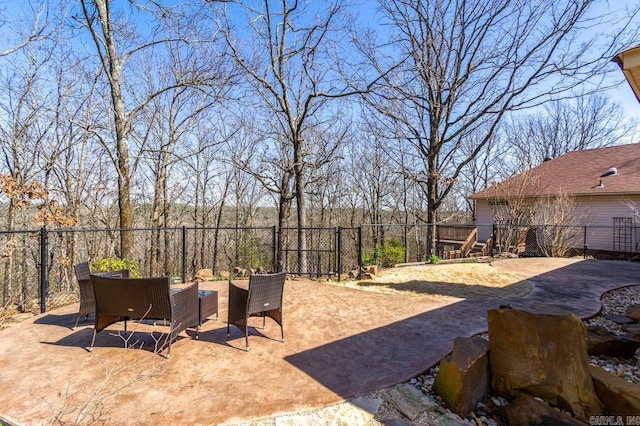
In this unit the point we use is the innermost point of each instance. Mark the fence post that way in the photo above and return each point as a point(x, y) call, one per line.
point(405, 239)
point(184, 253)
point(44, 281)
point(274, 233)
point(494, 238)
point(339, 251)
point(584, 242)
point(360, 251)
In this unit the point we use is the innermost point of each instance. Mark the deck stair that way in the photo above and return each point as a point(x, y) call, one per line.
point(457, 242)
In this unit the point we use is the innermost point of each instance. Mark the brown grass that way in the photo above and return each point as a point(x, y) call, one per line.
point(459, 280)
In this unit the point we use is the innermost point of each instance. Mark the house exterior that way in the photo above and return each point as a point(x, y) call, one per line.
point(603, 185)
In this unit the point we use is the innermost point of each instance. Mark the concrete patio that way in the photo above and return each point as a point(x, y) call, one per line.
point(340, 344)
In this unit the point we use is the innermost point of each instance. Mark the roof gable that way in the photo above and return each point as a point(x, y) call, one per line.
point(576, 173)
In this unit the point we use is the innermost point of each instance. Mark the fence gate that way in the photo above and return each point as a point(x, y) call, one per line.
point(317, 259)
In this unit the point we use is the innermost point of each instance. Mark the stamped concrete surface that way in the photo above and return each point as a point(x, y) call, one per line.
point(340, 344)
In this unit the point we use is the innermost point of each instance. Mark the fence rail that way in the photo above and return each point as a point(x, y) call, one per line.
point(36, 268)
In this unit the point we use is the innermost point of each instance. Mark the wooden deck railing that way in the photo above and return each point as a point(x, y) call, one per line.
point(454, 232)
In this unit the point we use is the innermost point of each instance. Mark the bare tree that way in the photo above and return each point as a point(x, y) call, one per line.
point(172, 118)
point(291, 68)
point(118, 41)
point(219, 177)
point(460, 67)
point(27, 22)
point(24, 126)
point(487, 167)
point(584, 122)
point(512, 212)
point(559, 222)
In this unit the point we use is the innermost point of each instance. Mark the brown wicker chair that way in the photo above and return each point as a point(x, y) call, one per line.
point(263, 298)
point(87, 301)
point(122, 299)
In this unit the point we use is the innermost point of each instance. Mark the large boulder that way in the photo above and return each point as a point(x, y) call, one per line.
point(542, 355)
point(373, 270)
point(526, 410)
point(204, 275)
point(601, 341)
point(619, 396)
point(464, 376)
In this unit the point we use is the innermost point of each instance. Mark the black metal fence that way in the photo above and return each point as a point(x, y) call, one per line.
point(36, 267)
point(602, 242)
point(36, 272)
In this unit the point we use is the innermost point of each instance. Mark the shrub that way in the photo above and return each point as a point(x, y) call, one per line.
point(387, 254)
point(112, 264)
point(434, 259)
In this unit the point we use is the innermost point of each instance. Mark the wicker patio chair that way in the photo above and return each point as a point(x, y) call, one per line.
point(123, 299)
point(87, 301)
point(262, 298)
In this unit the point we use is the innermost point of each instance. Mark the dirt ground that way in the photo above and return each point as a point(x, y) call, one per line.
point(457, 280)
point(448, 281)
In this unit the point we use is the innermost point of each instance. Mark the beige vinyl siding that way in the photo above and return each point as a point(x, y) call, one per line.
point(597, 213)
point(600, 210)
point(484, 220)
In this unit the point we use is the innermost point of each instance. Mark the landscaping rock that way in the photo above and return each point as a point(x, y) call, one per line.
point(410, 401)
point(633, 312)
point(448, 419)
point(601, 341)
point(632, 331)
point(619, 319)
point(353, 274)
point(542, 355)
point(370, 405)
point(204, 275)
point(464, 376)
point(373, 270)
point(526, 410)
point(619, 396)
point(240, 272)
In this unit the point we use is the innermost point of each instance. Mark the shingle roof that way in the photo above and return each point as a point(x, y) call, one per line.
point(575, 173)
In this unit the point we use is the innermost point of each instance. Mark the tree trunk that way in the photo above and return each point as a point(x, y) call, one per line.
point(302, 213)
point(433, 204)
point(124, 182)
point(8, 265)
point(165, 219)
point(156, 222)
point(283, 215)
point(284, 210)
point(113, 68)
